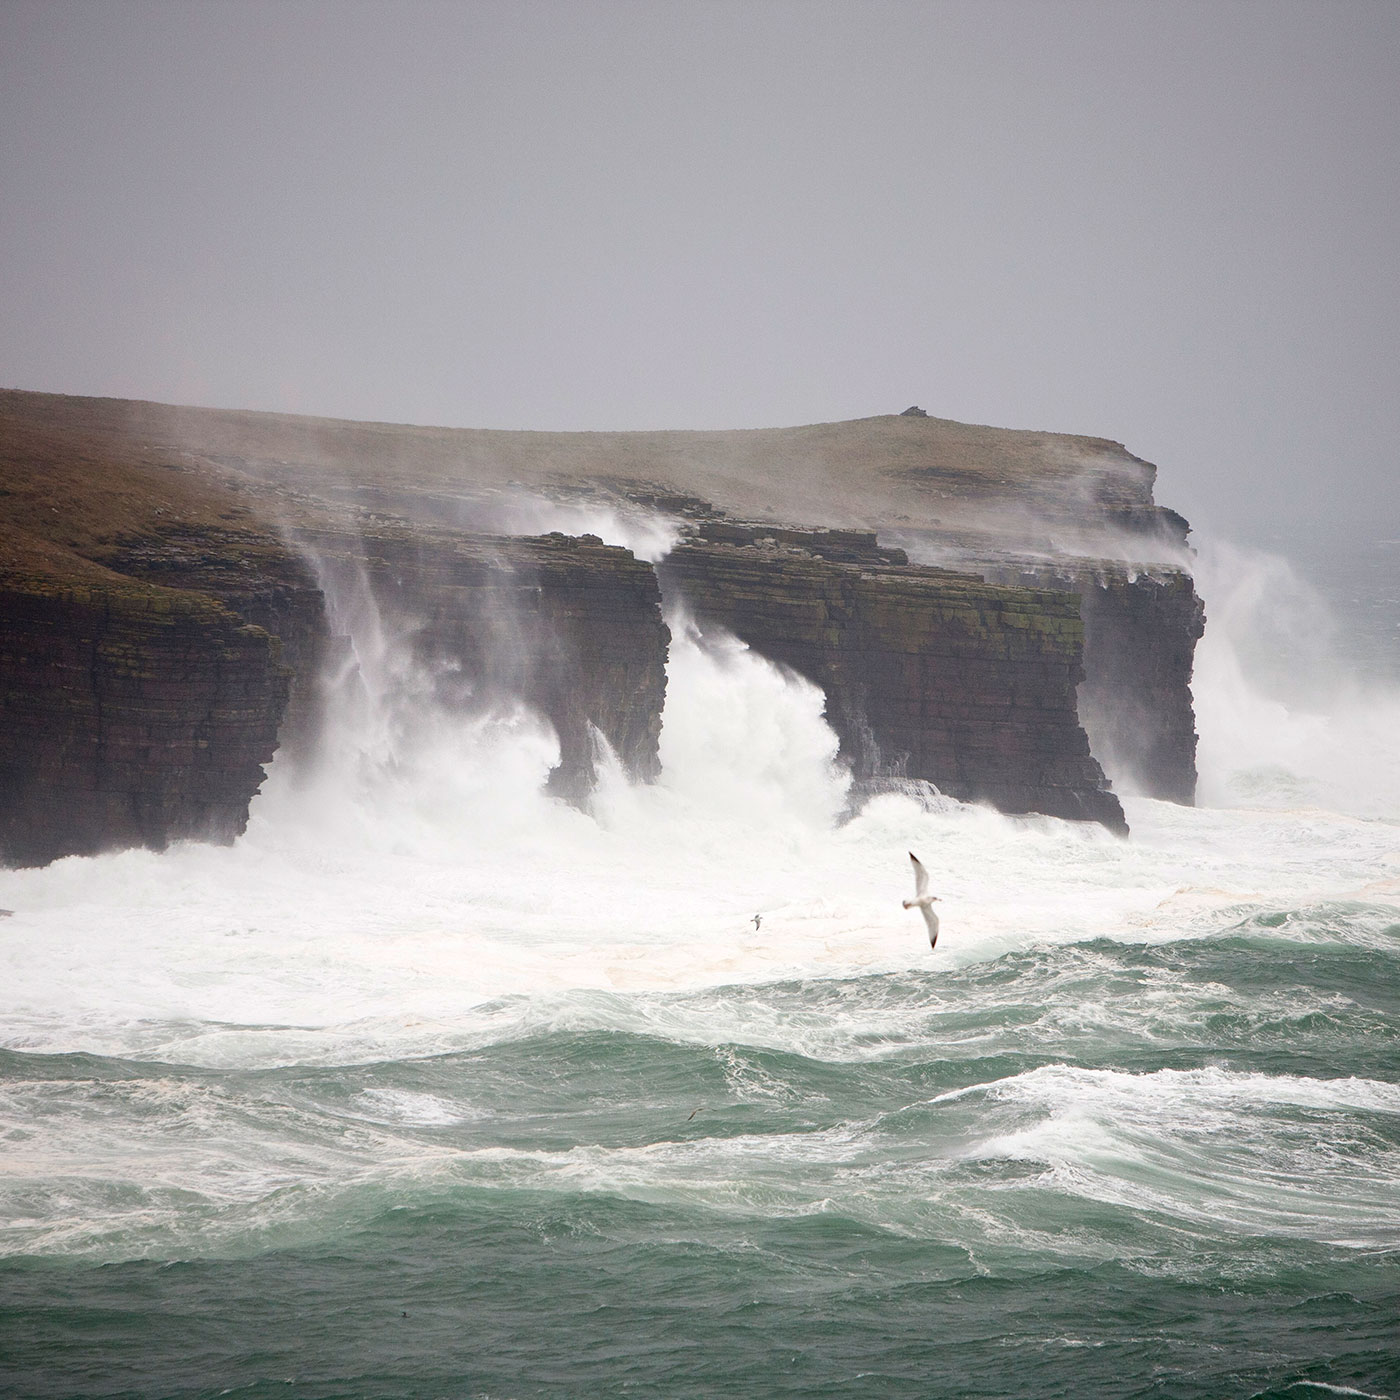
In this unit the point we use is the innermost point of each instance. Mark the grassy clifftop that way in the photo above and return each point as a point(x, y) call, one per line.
point(867, 472)
point(81, 503)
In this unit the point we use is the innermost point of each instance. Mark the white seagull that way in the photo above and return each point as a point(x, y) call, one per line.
point(922, 899)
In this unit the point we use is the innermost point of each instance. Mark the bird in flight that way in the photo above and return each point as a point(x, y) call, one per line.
point(922, 899)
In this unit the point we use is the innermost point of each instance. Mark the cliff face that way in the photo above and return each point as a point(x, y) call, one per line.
point(129, 715)
point(134, 713)
point(570, 626)
point(928, 674)
point(1140, 635)
point(164, 631)
point(1141, 625)
point(166, 618)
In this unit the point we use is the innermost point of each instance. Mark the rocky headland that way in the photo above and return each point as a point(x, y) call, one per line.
point(1005, 615)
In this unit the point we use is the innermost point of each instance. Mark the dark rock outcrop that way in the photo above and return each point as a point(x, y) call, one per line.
point(134, 713)
point(570, 626)
point(1140, 635)
point(129, 715)
point(264, 580)
point(928, 674)
point(158, 612)
point(1141, 626)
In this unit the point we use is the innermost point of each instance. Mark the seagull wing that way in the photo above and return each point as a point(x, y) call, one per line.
point(931, 921)
point(920, 878)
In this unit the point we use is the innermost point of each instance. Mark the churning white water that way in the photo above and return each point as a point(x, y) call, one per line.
point(1284, 720)
point(414, 890)
point(430, 1084)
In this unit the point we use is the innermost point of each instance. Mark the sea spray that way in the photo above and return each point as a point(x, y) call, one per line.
point(742, 739)
point(649, 534)
point(1283, 720)
point(432, 1084)
point(407, 757)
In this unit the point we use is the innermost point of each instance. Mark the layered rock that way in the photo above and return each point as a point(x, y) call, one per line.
point(262, 578)
point(567, 625)
point(133, 713)
point(962, 669)
point(570, 626)
point(1141, 626)
point(927, 673)
point(129, 715)
point(161, 637)
point(1140, 635)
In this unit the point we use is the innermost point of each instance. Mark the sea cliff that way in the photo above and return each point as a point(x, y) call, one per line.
point(1008, 616)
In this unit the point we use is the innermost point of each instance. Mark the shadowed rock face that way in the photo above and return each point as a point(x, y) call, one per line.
point(1141, 626)
point(1140, 635)
point(928, 674)
point(136, 714)
point(571, 626)
point(129, 716)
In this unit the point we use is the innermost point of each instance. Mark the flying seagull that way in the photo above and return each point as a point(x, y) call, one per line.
point(757, 922)
point(922, 899)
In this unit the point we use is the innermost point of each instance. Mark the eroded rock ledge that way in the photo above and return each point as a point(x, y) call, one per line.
point(129, 716)
point(928, 673)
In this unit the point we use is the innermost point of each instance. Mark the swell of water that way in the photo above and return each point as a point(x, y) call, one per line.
point(432, 1085)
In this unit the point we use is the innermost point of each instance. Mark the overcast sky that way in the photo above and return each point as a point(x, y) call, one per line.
point(1175, 224)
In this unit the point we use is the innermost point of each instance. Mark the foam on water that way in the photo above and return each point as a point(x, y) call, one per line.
point(391, 895)
point(279, 950)
point(413, 893)
point(179, 1162)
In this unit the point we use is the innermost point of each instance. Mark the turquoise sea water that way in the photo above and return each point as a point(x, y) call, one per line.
point(431, 1088)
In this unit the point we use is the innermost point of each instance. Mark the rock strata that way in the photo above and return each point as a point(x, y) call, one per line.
point(1141, 626)
point(167, 572)
point(570, 626)
point(928, 674)
point(129, 715)
point(164, 630)
point(1140, 635)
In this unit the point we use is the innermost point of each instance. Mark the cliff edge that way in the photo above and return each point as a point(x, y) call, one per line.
point(1002, 613)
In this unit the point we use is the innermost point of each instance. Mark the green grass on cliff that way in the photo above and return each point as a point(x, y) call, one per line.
point(867, 472)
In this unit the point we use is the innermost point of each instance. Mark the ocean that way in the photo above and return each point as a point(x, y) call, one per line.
point(432, 1087)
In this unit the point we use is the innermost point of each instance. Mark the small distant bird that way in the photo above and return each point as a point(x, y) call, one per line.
point(922, 899)
point(757, 922)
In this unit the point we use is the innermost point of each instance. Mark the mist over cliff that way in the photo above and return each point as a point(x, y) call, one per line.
point(1036, 591)
point(454, 928)
point(554, 1018)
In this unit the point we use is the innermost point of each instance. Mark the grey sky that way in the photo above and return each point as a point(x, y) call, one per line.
point(1174, 224)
